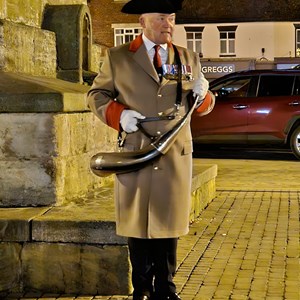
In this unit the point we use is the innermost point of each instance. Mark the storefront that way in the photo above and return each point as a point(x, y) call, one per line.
point(215, 68)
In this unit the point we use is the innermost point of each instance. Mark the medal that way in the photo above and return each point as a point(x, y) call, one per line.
point(171, 72)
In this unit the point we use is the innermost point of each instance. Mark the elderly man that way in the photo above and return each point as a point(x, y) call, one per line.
point(140, 80)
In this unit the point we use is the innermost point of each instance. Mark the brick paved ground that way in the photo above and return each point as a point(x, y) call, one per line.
point(245, 245)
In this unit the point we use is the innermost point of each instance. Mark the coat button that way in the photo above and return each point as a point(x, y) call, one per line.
point(155, 168)
point(158, 133)
point(159, 95)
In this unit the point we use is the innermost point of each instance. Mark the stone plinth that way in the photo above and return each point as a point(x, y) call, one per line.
point(76, 268)
point(64, 268)
point(15, 223)
point(48, 136)
point(17, 53)
point(73, 248)
point(203, 187)
point(29, 12)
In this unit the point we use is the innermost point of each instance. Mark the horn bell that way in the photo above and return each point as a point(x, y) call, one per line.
point(107, 163)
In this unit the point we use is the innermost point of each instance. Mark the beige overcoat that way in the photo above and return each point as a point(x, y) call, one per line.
point(155, 201)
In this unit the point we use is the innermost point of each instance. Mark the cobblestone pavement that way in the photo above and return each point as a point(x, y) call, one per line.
point(245, 245)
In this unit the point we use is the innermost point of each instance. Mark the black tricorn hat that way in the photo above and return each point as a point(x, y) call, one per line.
point(152, 6)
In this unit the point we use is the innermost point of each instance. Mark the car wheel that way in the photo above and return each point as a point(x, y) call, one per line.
point(295, 142)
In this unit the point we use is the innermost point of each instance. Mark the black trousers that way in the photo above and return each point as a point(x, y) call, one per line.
point(153, 265)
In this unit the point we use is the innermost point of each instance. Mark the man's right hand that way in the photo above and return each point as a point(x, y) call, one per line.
point(129, 119)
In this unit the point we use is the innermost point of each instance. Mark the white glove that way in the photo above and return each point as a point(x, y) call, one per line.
point(200, 87)
point(128, 120)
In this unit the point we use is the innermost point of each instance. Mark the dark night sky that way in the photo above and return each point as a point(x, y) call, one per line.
point(208, 11)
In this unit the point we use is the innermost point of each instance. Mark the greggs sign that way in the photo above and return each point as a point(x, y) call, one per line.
point(217, 70)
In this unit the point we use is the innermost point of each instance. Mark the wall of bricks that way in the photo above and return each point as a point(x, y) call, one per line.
point(105, 13)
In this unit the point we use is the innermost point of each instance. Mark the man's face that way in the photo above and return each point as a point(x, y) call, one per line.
point(158, 27)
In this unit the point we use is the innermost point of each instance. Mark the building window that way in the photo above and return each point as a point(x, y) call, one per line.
point(297, 40)
point(124, 35)
point(227, 41)
point(194, 39)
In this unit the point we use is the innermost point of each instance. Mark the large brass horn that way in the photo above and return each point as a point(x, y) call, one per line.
point(107, 163)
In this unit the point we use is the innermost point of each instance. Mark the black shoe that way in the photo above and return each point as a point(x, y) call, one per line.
point(172, 296)
point(141, 297)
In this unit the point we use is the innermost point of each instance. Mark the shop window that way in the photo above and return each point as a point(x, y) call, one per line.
point(297, 40)
point(124, 35)
point(227, 41)
point(194, 39)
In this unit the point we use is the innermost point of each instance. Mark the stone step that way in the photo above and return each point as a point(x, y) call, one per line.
point(74, 248)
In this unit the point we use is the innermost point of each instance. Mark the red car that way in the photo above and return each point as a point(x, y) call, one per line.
point(257, 106)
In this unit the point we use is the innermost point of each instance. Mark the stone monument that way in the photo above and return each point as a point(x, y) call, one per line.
point(54, 235)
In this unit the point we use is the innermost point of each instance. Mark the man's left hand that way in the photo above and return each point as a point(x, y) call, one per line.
point(200, 87)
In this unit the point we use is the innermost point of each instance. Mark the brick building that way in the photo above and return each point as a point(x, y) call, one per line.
point(105, 13)
point(232, 34)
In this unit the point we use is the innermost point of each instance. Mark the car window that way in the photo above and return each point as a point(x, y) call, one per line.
point(237, 87)
point(297, 86)
point(275, 85)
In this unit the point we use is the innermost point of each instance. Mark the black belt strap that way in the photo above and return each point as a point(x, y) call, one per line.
point(179, 79)
point(160, 118)
point(152, 119)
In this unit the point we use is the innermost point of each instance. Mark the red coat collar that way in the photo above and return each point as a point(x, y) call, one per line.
point(138, 41)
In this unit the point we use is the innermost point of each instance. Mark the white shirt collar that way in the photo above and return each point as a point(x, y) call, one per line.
point(149, 44)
